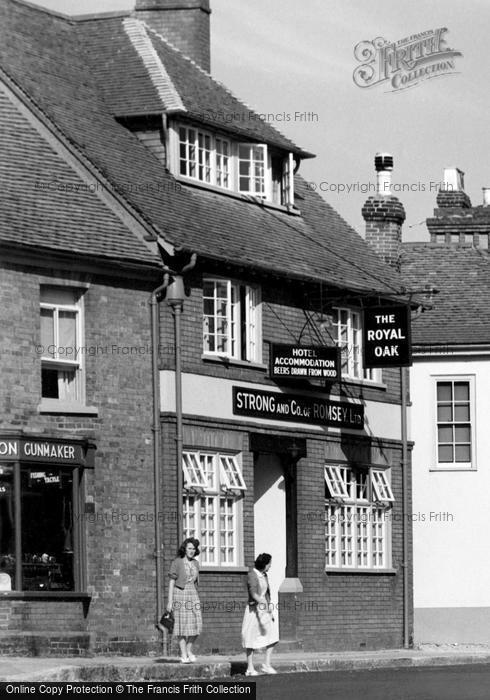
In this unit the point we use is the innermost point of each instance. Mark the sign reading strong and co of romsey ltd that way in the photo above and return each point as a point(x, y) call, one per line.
point(297, 409)
point(386, 337)
point(304, 362)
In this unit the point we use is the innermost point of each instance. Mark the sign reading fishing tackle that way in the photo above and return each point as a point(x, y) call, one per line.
point(387, 337)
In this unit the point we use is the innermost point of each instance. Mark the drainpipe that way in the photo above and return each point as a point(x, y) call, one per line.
point(175, 299)
point(155, 341)
point(403, 378)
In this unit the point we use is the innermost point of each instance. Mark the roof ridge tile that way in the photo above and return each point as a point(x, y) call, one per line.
point(137, 32)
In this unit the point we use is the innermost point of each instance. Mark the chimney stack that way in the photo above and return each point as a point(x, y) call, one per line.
point(183, 23)
point(384, 214)
point(486, 196)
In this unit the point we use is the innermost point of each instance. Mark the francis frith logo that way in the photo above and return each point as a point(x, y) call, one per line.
point(404, 63)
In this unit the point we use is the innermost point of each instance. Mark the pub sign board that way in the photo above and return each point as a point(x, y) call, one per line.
point(297, 409)
point(304, 362)
point(387, 337)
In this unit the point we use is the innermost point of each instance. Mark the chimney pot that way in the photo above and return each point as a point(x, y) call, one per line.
point(453, 180)
point(486, 196)
point(383, 163)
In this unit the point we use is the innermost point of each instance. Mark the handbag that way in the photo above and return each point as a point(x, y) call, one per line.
point(168, 621)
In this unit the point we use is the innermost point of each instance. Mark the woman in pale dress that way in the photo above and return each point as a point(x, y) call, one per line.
point(258, 629)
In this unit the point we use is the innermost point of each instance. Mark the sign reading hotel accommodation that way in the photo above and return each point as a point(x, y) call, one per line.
point(386, 337)
point(297, 409)
point(27, 450)
point(304, 362)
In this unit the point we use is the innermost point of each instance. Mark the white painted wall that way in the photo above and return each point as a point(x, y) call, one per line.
point(270, 520)
point(452, 555)
point(212, 397)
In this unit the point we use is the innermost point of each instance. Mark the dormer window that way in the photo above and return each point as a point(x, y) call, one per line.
point(253, 169)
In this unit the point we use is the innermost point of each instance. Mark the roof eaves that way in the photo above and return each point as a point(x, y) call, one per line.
point(138, 36)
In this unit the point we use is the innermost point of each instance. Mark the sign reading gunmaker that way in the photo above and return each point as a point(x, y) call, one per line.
point(304, 362)
point(386, 337)
point(32, 450)
point(297, 409)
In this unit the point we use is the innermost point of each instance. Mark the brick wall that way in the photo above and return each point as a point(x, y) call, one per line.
point(290, 314)
point(120, 569)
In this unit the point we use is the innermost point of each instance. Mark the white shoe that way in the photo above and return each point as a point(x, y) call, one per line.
point(184, 660)
point(267, 669)
point(191, 658)
point(253, 672)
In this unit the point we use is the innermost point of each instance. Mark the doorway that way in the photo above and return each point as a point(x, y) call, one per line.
point(270, 519)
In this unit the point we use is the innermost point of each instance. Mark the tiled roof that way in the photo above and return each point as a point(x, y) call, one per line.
point(45, 205)
point(112, 51)
point(47, 57)
point(461, 308)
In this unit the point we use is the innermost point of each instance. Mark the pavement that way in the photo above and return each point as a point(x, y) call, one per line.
point(127, 669)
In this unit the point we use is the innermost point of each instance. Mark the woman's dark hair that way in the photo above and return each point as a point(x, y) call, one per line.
point(262, 561)
point(189, 540)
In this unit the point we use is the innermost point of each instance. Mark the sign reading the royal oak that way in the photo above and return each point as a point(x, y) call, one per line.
point(28, 450)
point(304, 362)
point(386, 337)
point(297, 409)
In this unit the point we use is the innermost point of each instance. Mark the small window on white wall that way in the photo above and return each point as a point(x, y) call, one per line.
point(455, 422)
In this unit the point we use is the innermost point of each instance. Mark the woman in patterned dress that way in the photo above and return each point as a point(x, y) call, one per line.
point(183, 599)
point(257, 628)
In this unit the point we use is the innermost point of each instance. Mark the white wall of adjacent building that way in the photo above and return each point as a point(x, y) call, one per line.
point(451, 514)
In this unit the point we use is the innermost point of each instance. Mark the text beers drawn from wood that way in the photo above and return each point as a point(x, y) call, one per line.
point(304, 362)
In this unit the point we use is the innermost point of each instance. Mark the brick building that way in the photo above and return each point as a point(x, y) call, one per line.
point(125, 158)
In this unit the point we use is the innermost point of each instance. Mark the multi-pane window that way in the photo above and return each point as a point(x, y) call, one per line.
point(231, 320)
point(348, 325)
point(356, 523)
point(61, 341)
point(214, 488)
point(454, 422)
point(248, 168)
point(252, 163)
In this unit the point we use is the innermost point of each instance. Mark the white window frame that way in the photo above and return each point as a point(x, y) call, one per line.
point(61, 360)
point(250, 316)
point(357, 527)
point(193, 159)
point(351, 351)
point(214, 510)
point(471, 465)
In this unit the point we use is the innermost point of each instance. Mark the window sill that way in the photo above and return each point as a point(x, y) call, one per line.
point(223, 570)
point(462, 468)
point(238, 195)
point(55, 406)
point(223, 360)
point(363, 572)
point(37, 595)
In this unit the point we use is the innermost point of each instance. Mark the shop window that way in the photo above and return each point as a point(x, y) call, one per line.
point(61, 343)
point(455, 423)
point(47, 533)
point(348, 325)
point(356, 518)
point(212, 508)
point(231, 320)
point(248, 168)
